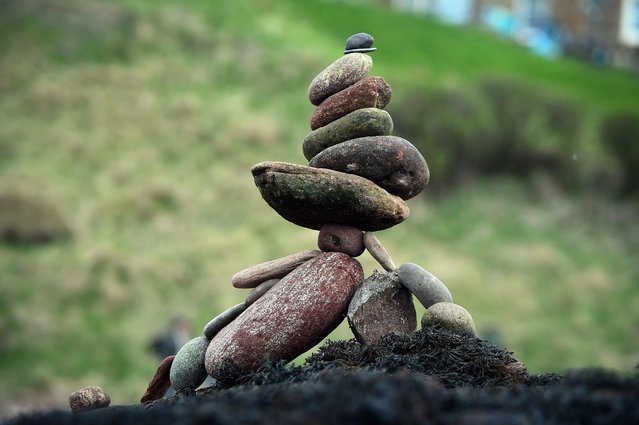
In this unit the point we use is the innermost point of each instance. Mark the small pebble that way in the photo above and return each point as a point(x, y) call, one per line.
point(188, 371)
point(360, 42)
point(340, 238)
point(451, 316)
point(160, 383)
point(259, 290)
point(89, 398)
point(278, 268)
point(378, 252)
point(424, 285)
point(217, 323)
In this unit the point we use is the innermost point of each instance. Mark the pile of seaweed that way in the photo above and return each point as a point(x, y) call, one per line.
point(431, 376)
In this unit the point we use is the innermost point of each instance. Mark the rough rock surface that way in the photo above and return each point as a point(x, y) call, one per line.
point(424, 285)
point(389, 161)
point(160, 383)
point(290, 318)
point(311, 197)
point(370, 92)
point(187, 370)
point(89, 398)
point(342, 73)
point(381, 306)
point(452, 317)
point(340, 238)
point(217, 323)
point(359, 123)
point(274, 269)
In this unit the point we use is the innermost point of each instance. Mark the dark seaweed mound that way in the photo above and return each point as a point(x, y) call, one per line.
point(428, 377)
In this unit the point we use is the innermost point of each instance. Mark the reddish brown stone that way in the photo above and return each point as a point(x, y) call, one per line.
point(290, 318)
point(160, 383)
point(89, 398)
point(340, 238)
point(369, 92)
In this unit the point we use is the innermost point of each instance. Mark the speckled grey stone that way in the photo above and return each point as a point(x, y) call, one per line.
point(381, 306)
point(424, 285)
point(342, 73)
point(217, 323)
point(259, 290)
point(451, 316)
point(360, 42)
point(88, 398)
point(188, 371)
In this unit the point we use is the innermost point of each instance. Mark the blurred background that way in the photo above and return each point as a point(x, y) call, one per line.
point(128, 129)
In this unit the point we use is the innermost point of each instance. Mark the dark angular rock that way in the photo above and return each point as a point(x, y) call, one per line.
point(370, 92)
point(389, 161)
point(278, 268)
point(89, 398)
point(381, 306)
point(311, 197)
point(187, 370)
point(290, 318)
point(424, 285)
point(342, 73)
point(340, 238)
point(359, 123)
point(259, 290)
point(217, 323)
point(160, 383)
point(360, 42)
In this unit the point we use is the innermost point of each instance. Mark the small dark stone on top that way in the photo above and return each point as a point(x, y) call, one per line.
point(359, 43)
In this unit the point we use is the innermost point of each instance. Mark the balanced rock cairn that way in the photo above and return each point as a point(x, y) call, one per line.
point(356, 182)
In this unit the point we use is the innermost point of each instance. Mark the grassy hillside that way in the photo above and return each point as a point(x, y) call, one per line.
point(138, 121)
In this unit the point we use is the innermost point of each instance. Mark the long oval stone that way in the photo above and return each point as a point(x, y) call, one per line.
point(311, 197)
point(274, 269)
point(218, 322)
point(359, 123)
point(389, 161)
point(342, 73)
point(290, 318)
point(381, 306)
point(424, 285)
point(369, 92)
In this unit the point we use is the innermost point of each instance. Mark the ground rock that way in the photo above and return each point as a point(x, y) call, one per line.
point(290, 318)
point(187, 370)
point(342, 73)
point(340, 238)
point(381, 306)
point(312, 197)
point(389, 161)
point(218, 322)
point(370, 92)
point(359, 123)
point(424, 285)
point(273, 269)
point(452, 317)
point(160, 383)
point(88, 398)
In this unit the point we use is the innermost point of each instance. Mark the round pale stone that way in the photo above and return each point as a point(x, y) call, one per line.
point(451, 316)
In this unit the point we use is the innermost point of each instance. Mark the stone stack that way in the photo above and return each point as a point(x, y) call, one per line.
point(357, 181)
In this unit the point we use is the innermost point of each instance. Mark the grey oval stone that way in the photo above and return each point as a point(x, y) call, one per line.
point(450, 316)
point(188, 371)
point(217, 323)
point(359, 123)
point(360, 42)
point(312, 197)
point(424, 285)
point(381, 306)
point(259, 290)
point(342, 73)
point(391, 162)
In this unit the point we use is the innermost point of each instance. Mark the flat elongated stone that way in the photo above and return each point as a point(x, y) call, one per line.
point(359, 123)
point(290, 318)
point(390, 162)
point(381, 306)
point(340, 238)
point(451, 316)
point(342, 73)
point(311, 197)
point(274, 269)
point(160, 383)
point(424, 285)
point(187, 370)
point(259, 290)
point(369, 92)
point(217, 323)
point(378, 252)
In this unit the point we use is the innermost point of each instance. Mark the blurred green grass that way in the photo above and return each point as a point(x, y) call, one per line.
point(139, 121)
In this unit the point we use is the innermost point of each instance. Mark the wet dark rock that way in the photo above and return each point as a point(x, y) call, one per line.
point(160, 383)
point(342, 73)
point(290, 318)
point(424, 285)
point(259, 290)
point(312, 197)
point(218, 322)
point(340, 238)
point(381, 306)
point(359, 123)
point(360, 42)
point(88, 398)
point(391, 162)
point(370, 92)
point(187, 370)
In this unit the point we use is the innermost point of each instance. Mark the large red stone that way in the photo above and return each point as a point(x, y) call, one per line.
point(295, 315)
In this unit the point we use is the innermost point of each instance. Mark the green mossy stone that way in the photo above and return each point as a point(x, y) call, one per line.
point(311, 197)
